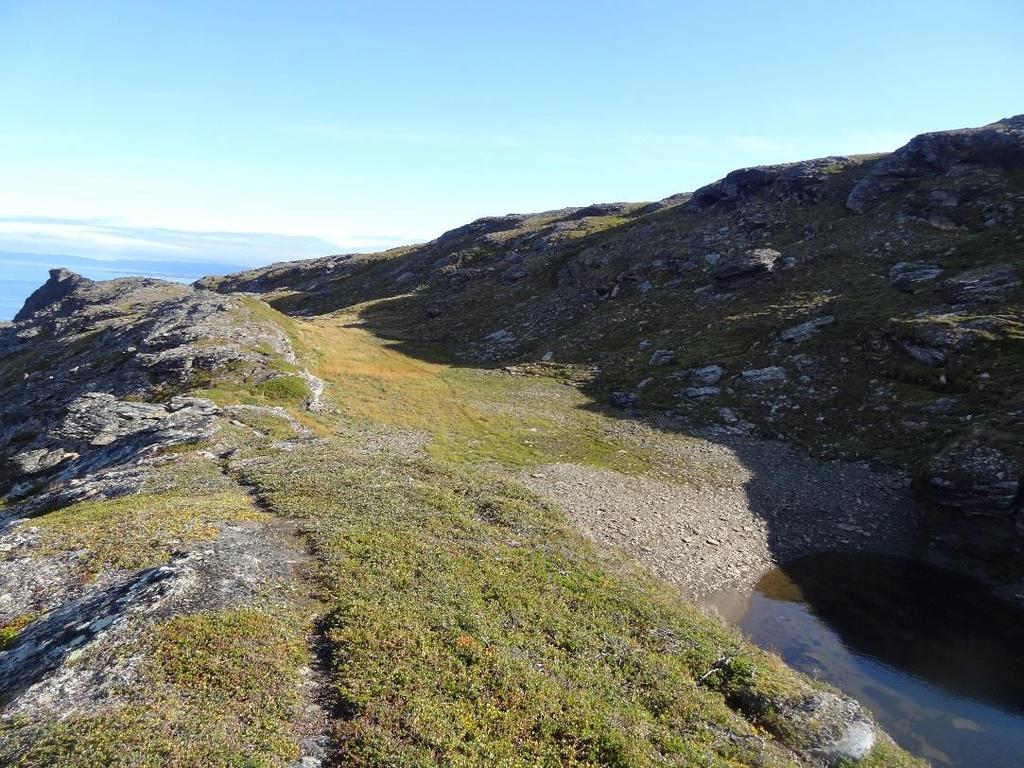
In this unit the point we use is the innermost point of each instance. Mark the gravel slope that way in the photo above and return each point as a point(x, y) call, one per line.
point(762, 505)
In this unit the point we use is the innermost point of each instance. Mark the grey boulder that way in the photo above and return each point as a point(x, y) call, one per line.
point(662, 357)
point(986, 285)
point(911, 276)
point(706, 376)
point(744, 266)
point(699, 393)
point(764, 377)
point(806, 330)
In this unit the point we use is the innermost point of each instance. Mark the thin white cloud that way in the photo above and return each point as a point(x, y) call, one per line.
point(104, 240)
point(91, 236)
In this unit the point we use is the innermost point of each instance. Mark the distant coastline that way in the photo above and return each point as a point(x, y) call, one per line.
point(22, 273)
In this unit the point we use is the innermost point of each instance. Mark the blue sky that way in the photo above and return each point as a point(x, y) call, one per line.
point(292, 129)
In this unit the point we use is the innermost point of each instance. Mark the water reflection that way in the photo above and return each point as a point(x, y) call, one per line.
point(934, 655)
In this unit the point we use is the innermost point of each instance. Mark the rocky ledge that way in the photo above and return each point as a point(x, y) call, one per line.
point(95, 374)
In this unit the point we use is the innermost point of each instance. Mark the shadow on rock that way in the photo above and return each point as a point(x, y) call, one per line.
point(49, 640)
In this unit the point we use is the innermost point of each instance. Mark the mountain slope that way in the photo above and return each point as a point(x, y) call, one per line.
point(232, 536)
point(208, 560)
point(857, 306)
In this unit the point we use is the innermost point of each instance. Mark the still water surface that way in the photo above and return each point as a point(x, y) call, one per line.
point(933, 654)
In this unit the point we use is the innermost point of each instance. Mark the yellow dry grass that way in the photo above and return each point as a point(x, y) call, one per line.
point(471, 414)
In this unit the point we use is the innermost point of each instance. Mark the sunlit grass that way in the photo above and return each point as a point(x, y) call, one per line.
point(471, 414)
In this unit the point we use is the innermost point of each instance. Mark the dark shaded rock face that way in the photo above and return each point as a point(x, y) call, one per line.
point(986, 285)
point(61, 286)
point(740, 267)
point(999, 146)
point(974, 478)
point(798, 182)
point(624, 399)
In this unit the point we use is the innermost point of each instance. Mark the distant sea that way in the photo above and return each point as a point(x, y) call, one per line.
point(22, 273)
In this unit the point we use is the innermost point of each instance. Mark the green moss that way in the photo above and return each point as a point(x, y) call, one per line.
point(470, 625)
point(598, 224)
point(182, 503)
point(284, 390)
point(272, 425)
point(10, 629)
point(243, 657)
point(218, 690)
point(885, 754)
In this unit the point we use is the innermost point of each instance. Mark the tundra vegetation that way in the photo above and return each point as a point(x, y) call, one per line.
point(276, 519)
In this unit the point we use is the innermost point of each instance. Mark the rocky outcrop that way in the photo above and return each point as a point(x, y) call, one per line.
point(741, 267)
point(68, 302)
point(96, 380)
point(83, 356)
point(475, 229)
point(984, 285)
point(931, 338)
point(62, 290)
point(974, 478)
point(102, 448)
point(998, 146)
point(834, 728)
point(800, 182)
point(841, 731)
point(76, 624)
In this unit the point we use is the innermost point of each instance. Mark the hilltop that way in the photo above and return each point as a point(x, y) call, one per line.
point(446, 505)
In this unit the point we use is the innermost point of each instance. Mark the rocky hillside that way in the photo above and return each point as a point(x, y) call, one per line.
point(856, 306)
point(394, 509)
point(94, 377)
point(206, 560)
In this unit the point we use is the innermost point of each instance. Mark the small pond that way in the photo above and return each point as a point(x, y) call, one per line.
point(934, 655)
